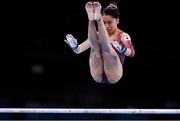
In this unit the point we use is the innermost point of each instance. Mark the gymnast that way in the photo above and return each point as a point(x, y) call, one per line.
point(109, 45)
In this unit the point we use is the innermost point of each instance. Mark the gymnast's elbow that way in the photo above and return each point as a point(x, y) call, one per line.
point(130, 52)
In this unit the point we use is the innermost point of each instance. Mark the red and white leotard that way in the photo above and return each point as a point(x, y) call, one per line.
point(124, 39)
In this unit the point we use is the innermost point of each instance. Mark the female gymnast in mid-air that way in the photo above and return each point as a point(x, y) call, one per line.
point(108, 44)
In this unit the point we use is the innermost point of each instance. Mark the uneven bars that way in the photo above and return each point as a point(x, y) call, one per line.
point(90, 111)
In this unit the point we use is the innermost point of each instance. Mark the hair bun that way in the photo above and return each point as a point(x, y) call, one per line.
point(112, 5)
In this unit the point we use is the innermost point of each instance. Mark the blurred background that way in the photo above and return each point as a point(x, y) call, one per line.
point(39, 70)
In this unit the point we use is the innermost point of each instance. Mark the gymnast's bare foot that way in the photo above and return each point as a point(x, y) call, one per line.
point(90, 10)
point(97, 11)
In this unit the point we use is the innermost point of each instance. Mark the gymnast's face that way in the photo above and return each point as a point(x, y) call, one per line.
point(110, 23)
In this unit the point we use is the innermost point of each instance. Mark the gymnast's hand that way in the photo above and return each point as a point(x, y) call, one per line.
point(71, 41)
point(119, 47)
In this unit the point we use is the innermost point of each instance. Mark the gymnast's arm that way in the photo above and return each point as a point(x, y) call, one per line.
point(73, 44)
point(82, 47)
point(126, 47)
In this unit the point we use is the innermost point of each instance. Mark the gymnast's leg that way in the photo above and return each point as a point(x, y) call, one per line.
point(95, 59)
point(112, 65)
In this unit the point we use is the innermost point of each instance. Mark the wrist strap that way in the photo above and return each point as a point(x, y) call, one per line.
point(74, 48)
point(123, 50)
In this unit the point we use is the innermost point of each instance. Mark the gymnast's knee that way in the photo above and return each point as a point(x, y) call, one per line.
point(97, 78)
point(114, 79)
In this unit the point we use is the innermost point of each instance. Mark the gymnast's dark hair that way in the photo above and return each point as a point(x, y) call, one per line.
point(111, 10)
